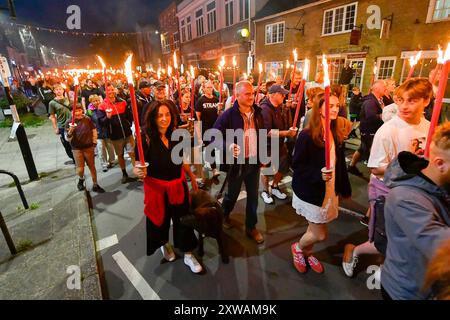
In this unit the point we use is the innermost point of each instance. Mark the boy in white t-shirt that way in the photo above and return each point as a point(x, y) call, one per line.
point(407, 131)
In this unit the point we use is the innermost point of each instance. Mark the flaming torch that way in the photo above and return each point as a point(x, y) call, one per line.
point(129, 75)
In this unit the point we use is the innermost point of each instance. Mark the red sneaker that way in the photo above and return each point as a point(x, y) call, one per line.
point(315, 264)
point(298, 259)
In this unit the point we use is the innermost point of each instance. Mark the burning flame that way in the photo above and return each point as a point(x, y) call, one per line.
point(192, 72)
point(413, 60)
point(222, 63)
point(101, 62)
point(182, 68)
point(326, 76)
point(260, 67)
point(295, 55)
point(158, 73)
point(306, 69)
point(234, 61)
point(245, 76)
point(288, 65)
point(169, 71)
point(75, 81)
point(128, 72)
point(447, 54)
point(175, 63)
point(375, 70)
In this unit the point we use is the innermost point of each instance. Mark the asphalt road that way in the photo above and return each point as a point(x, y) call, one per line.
point(254, 272)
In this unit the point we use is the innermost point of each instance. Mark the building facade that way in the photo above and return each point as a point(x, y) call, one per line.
point(362, 34)
point(210, 29)
point(169, 33)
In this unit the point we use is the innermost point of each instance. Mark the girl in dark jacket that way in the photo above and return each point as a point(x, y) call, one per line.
point(166, 194)
point(315, 191)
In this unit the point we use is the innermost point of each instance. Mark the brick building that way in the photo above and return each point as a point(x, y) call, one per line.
point(386, 34)
point(169, 33)
point(210, 29)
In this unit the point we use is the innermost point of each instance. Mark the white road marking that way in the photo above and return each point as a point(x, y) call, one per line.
point(136, 279)
point(107, 242)
point(242, 195)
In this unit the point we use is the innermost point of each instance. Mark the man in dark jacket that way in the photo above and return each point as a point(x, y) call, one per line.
point(417, 217)
point(370, 122)
point(246, 116)
point(271, 111)
point(143, 98)
point(118, 121)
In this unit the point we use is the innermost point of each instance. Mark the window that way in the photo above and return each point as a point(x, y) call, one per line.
point(274, 69)
point(176, 40)
point(183, 31)
point(165, 43)
point(386, 67)
point(243, 9)
point(439, 10)
point(211, 16)
point(275, 33)
point(229, 14)
point(189, 28)
point(335, 65)
point(339, 20)
point(199, 23)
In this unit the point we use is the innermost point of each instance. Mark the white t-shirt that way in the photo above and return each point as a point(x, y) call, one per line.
point(396, 136)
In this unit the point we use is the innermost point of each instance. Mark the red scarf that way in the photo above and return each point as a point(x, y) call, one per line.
point(155, 191)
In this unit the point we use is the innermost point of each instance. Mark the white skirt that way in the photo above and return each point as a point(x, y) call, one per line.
point(315, 214)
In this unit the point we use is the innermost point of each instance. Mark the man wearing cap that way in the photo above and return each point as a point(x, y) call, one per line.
point(143, 97)
point(273, 122)
point(159, 94)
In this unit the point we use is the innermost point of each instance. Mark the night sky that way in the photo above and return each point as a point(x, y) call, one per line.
point(96, 16)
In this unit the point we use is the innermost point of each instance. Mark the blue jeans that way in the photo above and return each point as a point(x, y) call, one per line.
point(248, 174)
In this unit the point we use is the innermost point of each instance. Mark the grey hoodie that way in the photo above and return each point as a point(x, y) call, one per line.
point(417, 220)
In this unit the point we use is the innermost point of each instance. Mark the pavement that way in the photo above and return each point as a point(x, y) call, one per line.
point(57, 258)
point(258, 272)
point(69, 229)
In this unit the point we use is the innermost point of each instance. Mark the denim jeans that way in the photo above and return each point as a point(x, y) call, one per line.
point(249, 175)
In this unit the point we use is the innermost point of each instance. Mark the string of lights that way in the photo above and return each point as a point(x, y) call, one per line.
point(74, 33)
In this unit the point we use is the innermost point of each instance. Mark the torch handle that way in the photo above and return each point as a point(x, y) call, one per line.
point(437, 106)
point(75, 98)
point(299, 102)
point(136, 124)
point(327, 128)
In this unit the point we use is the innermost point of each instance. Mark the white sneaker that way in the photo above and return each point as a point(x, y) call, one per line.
point(349, 260)
point(277, 193)
point(191, 261)
point(168, 253)
point(267, 197)
point(216, 173)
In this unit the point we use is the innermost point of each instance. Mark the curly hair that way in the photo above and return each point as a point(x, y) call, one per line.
point(437, 277)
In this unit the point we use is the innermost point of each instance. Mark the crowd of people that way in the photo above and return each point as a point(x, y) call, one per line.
point(408, 191)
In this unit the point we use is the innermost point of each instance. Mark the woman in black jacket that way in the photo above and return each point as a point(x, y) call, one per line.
point(315, 191)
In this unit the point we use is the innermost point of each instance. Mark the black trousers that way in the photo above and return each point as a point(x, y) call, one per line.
point(65, 143)
point(184, 237)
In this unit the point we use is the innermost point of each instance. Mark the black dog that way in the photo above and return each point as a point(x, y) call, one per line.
point(206, 217)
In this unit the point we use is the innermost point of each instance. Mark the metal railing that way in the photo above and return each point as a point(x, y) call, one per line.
point(6, 234)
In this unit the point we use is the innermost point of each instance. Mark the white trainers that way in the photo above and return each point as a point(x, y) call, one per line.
point(349, 260)
point(267, 197)
point(277, 193)
point(216, 173)
point(191, 261)
point(168, 253)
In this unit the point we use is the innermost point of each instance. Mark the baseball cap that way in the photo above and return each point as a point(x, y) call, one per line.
point(159, 84)
point(144, 84)
point(278, 88)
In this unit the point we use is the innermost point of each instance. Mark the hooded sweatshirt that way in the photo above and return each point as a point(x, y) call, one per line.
point(417, 220)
